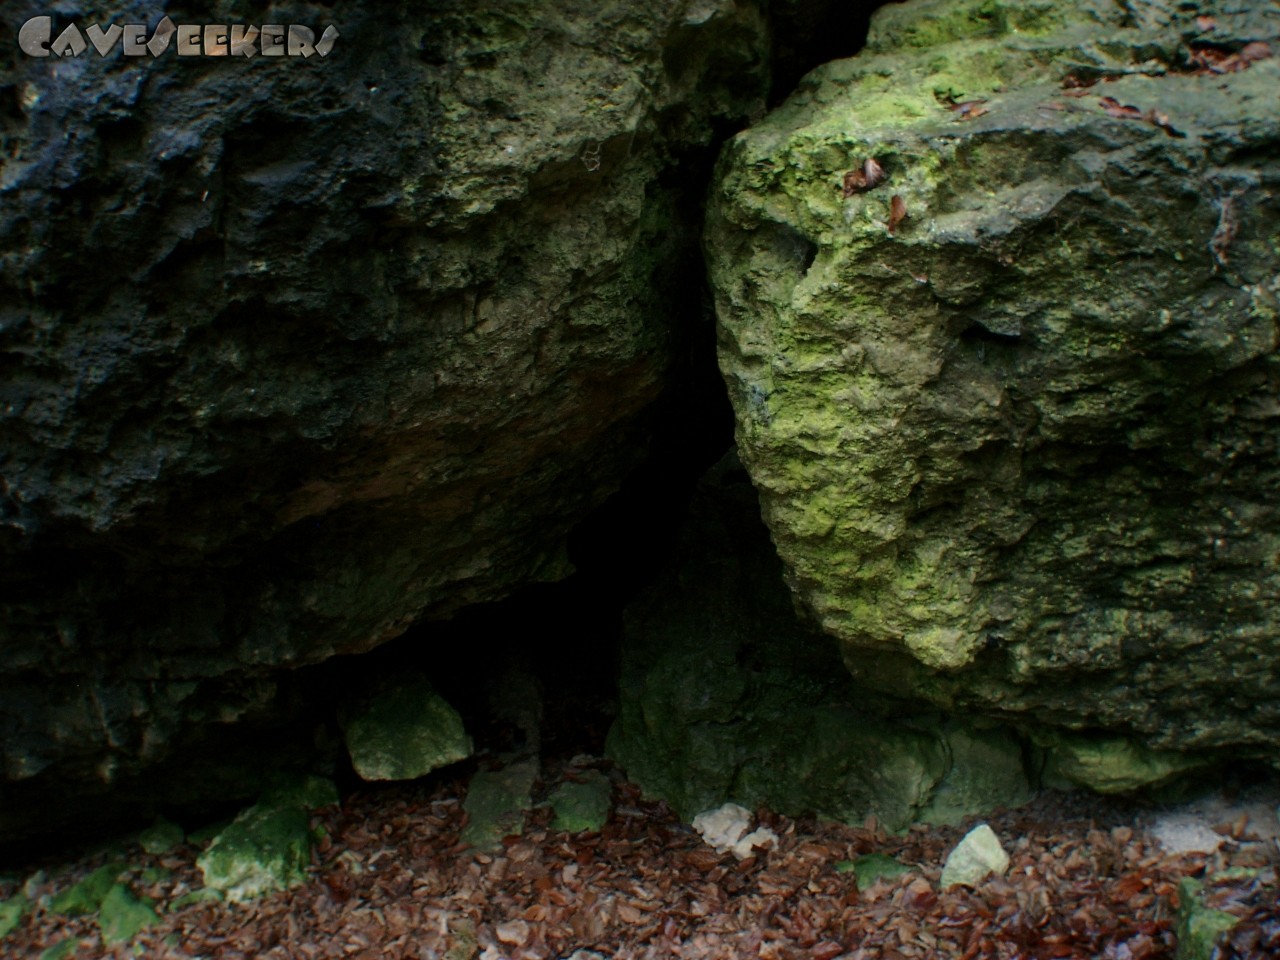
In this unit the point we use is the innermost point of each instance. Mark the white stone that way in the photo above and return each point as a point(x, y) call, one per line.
point(974, 857)
point(725, 829)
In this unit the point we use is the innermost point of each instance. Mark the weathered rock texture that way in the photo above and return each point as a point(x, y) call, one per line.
point(1018, 451)
point(296, 352)
point(725, 695)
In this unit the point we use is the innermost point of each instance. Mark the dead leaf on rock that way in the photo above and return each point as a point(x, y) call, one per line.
point(863, 178)
point(969, 109)
point(1115, 108)
point(897, 212)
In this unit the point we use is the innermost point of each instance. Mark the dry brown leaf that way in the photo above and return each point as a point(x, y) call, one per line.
point(969, 109)
point(1115, 108)
point(897, 212)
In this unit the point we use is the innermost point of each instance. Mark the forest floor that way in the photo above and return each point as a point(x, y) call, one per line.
point(390, 879)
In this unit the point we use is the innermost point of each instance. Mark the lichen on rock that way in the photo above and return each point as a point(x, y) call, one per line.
point(1017, 451)
point(267, 847)
point(403, 731)
point(297, 353)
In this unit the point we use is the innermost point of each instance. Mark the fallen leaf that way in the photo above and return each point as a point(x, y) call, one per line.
point(1158, 119)
point(856, 181)
point(1257, 50)
point(897, 211)
point(969, 109)
point(628, 914)
point(1206, 24)
point(514, 932)
point(1115, 108)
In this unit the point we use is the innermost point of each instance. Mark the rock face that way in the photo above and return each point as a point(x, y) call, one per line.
point(1012, 410)
point(295, 352)
point(725, 695)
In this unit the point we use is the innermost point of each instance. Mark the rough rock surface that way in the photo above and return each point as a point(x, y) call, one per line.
point(294, 352)
point(725, 695)
point(403, 731)
point(1012, 409)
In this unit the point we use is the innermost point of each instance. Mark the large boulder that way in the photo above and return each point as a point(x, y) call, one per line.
point(1011, 399)
point(298, 351)
point(726, 695)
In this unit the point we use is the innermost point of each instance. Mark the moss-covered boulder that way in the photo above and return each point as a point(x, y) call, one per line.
point(1199, 926)
point(1010, 392)
point(727, 695)
point(296, 352)
point(403, 731)
point(581, 802)
point(496, 803)
point(268, 846)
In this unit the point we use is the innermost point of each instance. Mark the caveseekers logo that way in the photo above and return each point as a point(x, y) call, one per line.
point(37, 39)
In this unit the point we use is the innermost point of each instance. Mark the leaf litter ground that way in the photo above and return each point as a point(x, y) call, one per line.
point(390, 879)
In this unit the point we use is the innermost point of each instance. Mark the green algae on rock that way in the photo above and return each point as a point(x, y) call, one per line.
point(581, 803)
point(496, 803)
point(404, 732)
point(296, 357)
point(726, 695)
point(1019, 454)
point(122, 915)
point(12, 912)
point(1199, 925)
point(268, 846)
point(87, 895)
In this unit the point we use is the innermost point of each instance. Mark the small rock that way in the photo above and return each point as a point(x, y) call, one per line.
point(496, 803)
point(11, 912)
point(725, 829)
point(268, 846)
point(974, 857)
point(876, 866)
point(1200, 927)
point(87, 895)
point(161, 837)
point(582, 804)
point(123, 915)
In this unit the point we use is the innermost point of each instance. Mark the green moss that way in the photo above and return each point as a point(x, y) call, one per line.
point(268, 846)
point(582, 803)
point(61, 950)
point(1110, 764)
point(12, 912)
point(87, 895)
point(871, 867)
point(1199, 927)
point(122, 915)
point(496, 803)
point(404, 732)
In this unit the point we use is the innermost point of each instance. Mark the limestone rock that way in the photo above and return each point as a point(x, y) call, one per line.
point(1017, 449)
point(975, 857)
point(871, 867)
point(727, 828)
point(726, 694)
point(123, 914)
point(298, 352)
point(1199, 925)
point(581, 803)
point(268, 846)
point(496, 803)
point(404, 732)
